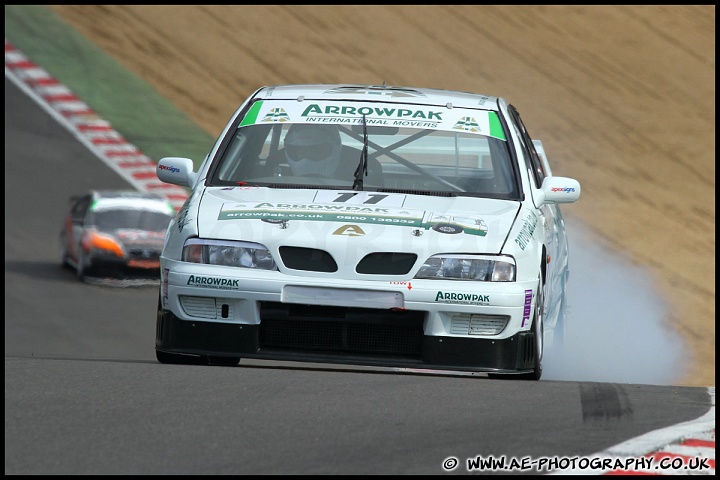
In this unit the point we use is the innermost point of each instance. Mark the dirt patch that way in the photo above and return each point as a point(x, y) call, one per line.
point(623, 98)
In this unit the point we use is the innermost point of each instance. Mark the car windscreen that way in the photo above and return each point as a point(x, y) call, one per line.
point(138, 219)
point(409, 158)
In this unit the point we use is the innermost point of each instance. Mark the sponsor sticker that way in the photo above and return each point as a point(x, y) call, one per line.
point(528, 306)
point(213, 282)
point(462, 298)
point(527, 230)
point(355, 213)
point(350, 231)
point(476, 121)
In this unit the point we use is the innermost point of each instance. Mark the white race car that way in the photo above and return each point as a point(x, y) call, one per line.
point(367, 225)
point(116, 233)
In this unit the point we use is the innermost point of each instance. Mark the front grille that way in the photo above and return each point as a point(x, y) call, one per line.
point(466, 324)
point(387, 263)
point(333, 330)
point(309, 259)
point(207, 307)
point(144, 253)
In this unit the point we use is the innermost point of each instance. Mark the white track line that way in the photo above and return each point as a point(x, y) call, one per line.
point(86, 125)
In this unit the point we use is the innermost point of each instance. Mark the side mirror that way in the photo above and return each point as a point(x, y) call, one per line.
point(177, 171)
point(560, 190)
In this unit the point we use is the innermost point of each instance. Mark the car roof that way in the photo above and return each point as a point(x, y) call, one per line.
point(125, 194)
point(132, 199)
point(380, 93)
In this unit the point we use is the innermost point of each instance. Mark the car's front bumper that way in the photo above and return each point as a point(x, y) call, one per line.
point(418, 324)
point(359, 342)
point(142, 264)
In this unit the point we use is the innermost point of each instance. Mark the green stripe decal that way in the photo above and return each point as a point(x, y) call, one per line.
point(496, 129)
point(343, 217)
point(320, 216)
point(252, 115)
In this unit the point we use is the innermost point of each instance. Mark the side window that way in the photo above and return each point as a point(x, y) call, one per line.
point(231, 158)
point(80, 208)
point(536, 164)
point(245, 155)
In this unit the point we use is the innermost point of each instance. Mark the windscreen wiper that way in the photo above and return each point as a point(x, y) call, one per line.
point(361, 170)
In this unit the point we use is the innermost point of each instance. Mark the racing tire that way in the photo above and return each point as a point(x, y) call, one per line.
point(187, 359)
point(538, 330)
point(81, 269)
point(64, 258)
point(65, 263)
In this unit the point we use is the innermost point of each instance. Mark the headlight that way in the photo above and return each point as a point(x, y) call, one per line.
point(484, 268)
point(93, 240)
point(228, 253)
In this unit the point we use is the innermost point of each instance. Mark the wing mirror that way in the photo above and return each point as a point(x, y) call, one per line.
point(559, 190)
point(177, 171)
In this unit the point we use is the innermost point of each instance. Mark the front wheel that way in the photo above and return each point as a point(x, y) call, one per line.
point(538, 329)
point(64, 258)
point(82, 269)
point(186, 359)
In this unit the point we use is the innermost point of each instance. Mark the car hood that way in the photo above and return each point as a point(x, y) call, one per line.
point(133, 237)
point(350, 224)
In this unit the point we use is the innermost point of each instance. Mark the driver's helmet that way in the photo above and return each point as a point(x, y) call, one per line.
point(313, 149)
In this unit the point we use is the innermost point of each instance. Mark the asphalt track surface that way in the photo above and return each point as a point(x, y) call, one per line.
point(85, 395)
